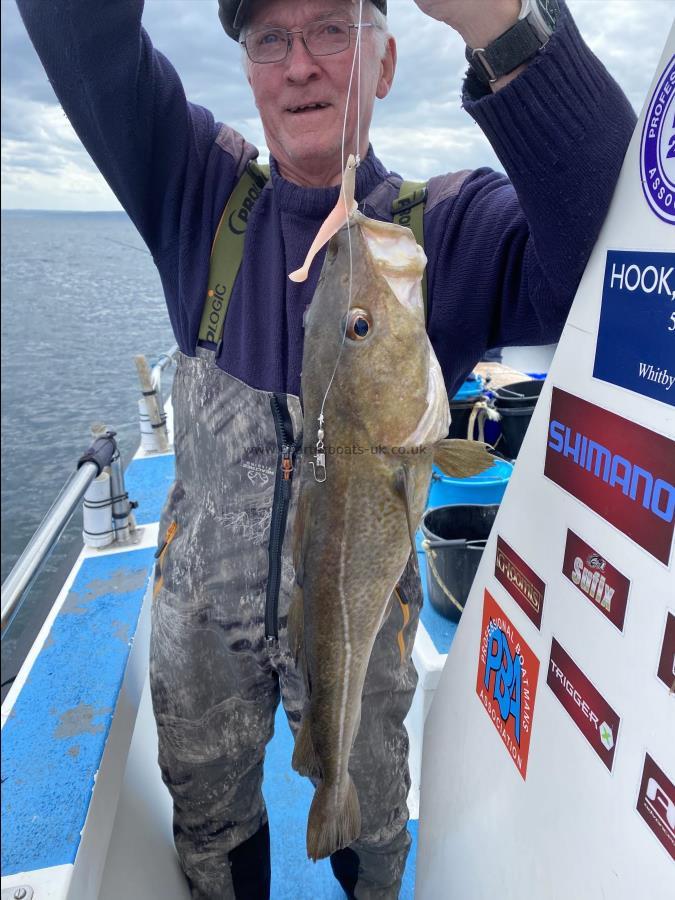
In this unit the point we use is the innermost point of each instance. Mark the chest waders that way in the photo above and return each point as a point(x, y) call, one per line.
point(219, 656)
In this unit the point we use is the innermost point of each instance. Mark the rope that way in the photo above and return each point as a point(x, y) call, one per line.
point(481, 410)
point(431, 554)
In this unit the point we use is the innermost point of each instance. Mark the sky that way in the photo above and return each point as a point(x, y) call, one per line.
point(419, 130)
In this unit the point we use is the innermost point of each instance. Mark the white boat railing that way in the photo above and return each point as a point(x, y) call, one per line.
point(102, 453)
point(164, 361)
point(25, 570)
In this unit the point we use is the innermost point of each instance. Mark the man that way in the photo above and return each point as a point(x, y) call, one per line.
point(504, 261)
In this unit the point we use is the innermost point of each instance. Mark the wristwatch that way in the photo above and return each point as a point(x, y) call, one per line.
point(535, 25)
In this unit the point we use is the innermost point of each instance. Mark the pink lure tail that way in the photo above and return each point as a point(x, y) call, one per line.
point(344, 208)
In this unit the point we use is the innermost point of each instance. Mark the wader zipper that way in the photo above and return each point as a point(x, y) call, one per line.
point(282, 495)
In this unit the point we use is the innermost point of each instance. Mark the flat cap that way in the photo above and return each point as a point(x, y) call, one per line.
point(231, 14)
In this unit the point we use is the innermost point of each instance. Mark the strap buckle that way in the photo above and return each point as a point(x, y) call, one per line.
point(478, 55)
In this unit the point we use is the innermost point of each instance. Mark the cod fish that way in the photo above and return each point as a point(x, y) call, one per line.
point(373, 386)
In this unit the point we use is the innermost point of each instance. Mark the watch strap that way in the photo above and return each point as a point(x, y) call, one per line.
point(517, 45)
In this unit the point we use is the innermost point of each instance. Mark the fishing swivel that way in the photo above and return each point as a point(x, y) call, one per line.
point(319, 463)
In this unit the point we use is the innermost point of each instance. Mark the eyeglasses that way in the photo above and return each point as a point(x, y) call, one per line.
point(322, 38)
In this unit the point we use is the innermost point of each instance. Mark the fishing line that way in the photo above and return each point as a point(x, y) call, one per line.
point(130, 246)
point(357, 56)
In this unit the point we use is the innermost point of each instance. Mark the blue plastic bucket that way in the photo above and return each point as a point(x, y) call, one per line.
point(471, 389)
point(486, 488)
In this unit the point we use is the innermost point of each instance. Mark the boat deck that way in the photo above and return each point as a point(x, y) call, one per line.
point(83, 792)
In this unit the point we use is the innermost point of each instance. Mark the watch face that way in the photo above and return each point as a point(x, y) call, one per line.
point(550, 9)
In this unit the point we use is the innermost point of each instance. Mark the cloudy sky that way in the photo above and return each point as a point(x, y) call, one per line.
point(419, 130)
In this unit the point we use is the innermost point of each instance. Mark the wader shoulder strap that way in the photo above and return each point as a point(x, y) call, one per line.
point(228, 250)
point(408, 210)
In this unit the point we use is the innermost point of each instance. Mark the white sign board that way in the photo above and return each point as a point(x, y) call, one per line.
point(549, 750)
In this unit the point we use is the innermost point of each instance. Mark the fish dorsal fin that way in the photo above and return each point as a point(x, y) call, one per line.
point(460, 459)
point(344, 208)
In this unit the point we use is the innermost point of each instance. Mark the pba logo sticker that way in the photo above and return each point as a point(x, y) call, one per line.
point(666, 669)
point(507, 681)
point(587, 708)
point(622, 471)
point(656, 803)
point(524, 585)
point(657, 148)
point(596, 578)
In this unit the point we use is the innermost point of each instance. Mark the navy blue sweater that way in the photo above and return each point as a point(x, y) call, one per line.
point(505, 256)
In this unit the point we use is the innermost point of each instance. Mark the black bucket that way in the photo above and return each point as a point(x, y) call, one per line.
point(515, 404)
point(457, 535)
point(518, 395)
point(460, 412)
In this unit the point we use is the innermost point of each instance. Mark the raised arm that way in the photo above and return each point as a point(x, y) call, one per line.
point(127, 105)
point(506, 254)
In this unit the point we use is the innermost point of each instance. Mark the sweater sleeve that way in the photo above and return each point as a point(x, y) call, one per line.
point(127, 105)
point(506, 255)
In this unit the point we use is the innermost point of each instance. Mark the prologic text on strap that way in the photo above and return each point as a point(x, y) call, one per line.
point(408, 210)
point(227, 250)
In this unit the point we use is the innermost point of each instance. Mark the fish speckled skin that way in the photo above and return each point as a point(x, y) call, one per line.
point(385, 411)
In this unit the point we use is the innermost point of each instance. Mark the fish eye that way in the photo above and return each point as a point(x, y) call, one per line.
point(359, 325)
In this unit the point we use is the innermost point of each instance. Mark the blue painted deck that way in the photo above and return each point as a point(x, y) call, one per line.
point(53, 742)
point(148, 481)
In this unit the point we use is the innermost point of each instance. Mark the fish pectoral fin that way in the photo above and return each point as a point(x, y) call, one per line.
point(300, 535)
point(402, 483)
point(343, 209)
point(305, 761)
point(460, 459)
point(296, 610)
point(296, 622)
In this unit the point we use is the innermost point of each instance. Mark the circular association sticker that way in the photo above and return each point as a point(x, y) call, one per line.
point(657, 149)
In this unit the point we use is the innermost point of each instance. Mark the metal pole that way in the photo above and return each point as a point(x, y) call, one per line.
point(120, 507)
point(89, 466)
point(152, 403)
point(42, 543)
point(162, 363)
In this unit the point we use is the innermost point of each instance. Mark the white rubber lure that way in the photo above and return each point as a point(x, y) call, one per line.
point(344, 208)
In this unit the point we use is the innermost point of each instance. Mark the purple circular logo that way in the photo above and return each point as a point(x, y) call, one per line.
point(657, 150)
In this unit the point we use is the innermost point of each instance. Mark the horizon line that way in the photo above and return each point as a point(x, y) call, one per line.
point(52, 210)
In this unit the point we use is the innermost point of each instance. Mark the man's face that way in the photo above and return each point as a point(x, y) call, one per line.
point(307, 142)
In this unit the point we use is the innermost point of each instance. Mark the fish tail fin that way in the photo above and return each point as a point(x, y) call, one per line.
point(459, 459)
point(305, 761)
point(329, 829)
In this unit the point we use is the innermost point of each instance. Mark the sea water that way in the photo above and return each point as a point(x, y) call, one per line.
point(80, 298)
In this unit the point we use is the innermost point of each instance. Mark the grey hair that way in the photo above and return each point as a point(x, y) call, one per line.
point(370, 14)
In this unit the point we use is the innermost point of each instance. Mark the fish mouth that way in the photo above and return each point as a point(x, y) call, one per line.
point(304, 108)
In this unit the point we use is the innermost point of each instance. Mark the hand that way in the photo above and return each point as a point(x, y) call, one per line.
point(478, 21)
